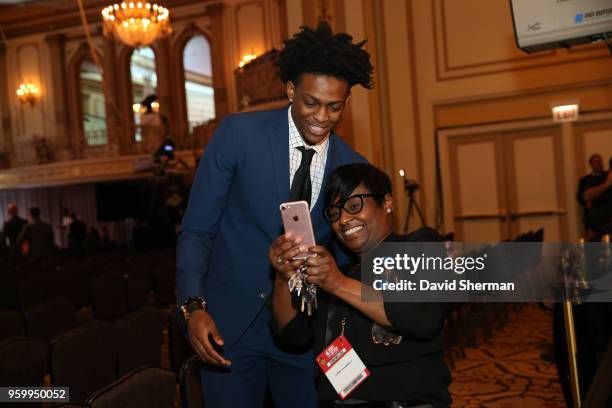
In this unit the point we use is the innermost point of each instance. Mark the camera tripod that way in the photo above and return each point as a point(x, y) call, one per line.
point(413, 205)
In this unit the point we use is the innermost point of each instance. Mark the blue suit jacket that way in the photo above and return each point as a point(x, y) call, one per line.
point(233, 216)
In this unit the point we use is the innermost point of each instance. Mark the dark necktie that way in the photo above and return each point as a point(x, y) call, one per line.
point(301, 188)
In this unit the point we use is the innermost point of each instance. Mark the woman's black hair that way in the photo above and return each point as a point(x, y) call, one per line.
point(321, 52)
point(345, 179)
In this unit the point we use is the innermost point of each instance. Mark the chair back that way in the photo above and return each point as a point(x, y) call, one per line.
point(31, 291)
point(23, 362)
point(47, 320)
point(138, 285)
point(108, 296)
point(8, 288)
point(84, 359)
point(191, 384)
point(180, 349)
point(139, 339)
point(164, 282)
point(11, 324)
point(149, 387)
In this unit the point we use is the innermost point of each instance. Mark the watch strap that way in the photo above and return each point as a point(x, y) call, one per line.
point(191, 305)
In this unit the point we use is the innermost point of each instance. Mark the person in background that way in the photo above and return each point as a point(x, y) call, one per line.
point(12, 228)
point(93, 238)
point(105, 235)
point(595, 195)
point(77, 232)
point(151, 125)
point(37, 237)
point(399, 342)
point(65, 221)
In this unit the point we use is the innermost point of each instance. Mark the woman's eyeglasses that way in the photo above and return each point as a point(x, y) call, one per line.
point(352, 205)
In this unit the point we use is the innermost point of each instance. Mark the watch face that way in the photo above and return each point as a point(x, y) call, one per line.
point(184, 312)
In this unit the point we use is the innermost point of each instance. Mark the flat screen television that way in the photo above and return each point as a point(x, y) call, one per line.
point(548, 24)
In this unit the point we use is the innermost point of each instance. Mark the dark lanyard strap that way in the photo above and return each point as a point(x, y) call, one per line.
point(343, 313)
point(338, 308)
point(342, 308)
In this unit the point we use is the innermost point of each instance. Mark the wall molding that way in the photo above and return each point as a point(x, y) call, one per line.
point(446, 69)
point(237, 10)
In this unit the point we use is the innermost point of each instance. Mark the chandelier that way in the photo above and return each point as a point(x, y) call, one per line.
point(136, 24)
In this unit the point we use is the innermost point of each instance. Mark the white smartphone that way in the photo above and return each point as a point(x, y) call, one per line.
point(297, 222)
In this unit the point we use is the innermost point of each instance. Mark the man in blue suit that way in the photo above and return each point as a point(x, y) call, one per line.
point(255, 162)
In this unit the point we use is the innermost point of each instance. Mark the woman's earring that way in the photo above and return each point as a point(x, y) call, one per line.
point(388, 210)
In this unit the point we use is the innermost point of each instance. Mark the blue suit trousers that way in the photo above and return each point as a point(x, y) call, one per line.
point(259, 365)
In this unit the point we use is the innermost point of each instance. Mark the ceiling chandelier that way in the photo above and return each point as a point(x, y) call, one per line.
point(136, 24)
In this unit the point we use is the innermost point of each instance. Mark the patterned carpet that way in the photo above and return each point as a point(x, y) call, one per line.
point(507, 370)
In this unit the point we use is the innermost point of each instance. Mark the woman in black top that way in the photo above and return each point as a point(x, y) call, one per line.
point(359, 207)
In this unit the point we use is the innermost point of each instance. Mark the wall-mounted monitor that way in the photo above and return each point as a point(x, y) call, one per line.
point(548, 24)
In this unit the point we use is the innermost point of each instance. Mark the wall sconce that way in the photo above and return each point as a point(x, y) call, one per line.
point(138, 108)
point(246, 59)
point(28, 93)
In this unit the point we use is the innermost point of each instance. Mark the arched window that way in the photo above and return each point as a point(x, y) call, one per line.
point(198, 81)
point(92, 100)
point(144, 81)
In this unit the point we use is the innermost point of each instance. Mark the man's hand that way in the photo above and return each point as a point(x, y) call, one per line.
point(201, 327)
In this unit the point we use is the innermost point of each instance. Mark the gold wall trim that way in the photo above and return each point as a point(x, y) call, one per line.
point(79, 171)
point(521, 106)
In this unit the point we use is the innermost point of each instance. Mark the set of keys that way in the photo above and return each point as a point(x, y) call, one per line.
point(307, 292)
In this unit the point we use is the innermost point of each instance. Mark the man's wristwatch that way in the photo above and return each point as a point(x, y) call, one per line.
point(191, 305)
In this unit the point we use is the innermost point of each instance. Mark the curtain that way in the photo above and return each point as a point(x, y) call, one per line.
point(80, 198)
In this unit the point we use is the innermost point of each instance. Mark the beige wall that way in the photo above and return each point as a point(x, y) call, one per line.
point(469, 72)
point(445, 64)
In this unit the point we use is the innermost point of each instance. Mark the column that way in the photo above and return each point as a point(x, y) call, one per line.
point(57, 52)
point(5, 112)
point(165, 95)
point(217, 50)
point(114, 130)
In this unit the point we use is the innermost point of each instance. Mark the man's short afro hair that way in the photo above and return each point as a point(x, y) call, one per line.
point(321, 52)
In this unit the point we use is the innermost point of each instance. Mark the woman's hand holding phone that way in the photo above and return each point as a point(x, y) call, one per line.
point(282, 255)
point(323, 271)
point(322, 268)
